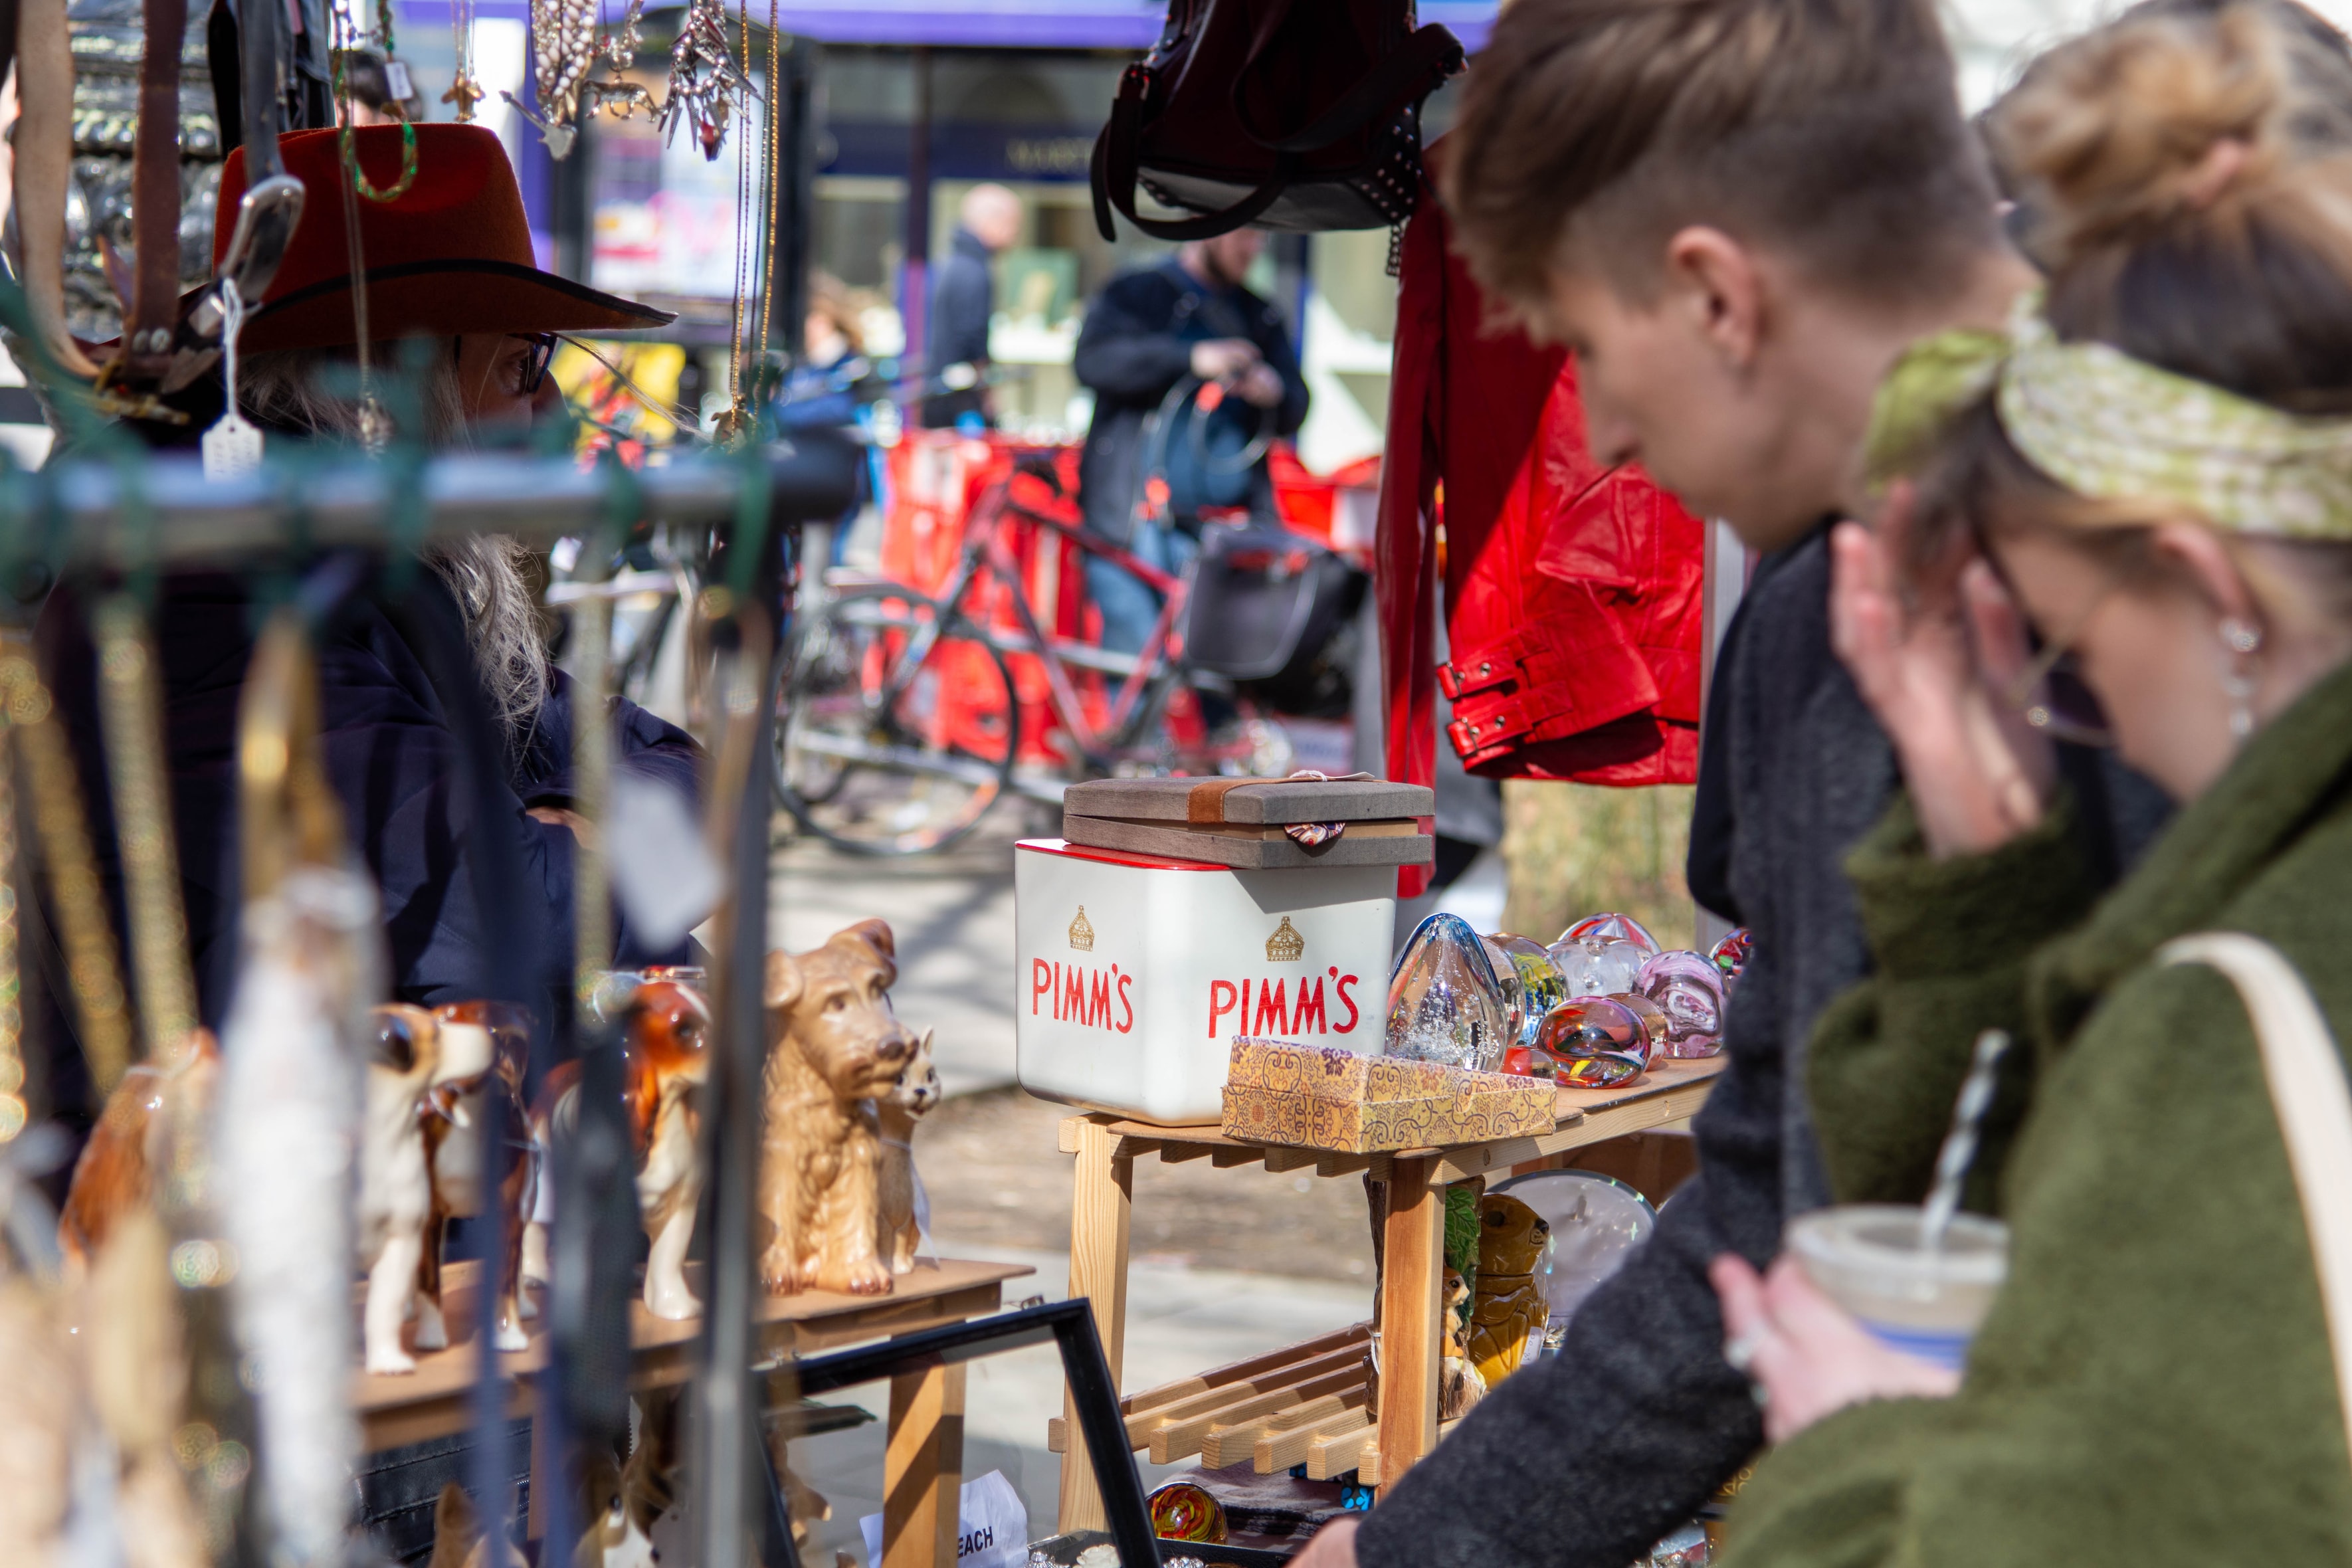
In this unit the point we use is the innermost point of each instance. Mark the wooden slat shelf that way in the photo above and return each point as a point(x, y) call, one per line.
point(1308, 1404)
point(1669, 1093)
point(433, 1401)
point(1175, 1420)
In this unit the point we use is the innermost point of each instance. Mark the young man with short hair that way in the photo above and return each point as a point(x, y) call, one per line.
point(1736, 214)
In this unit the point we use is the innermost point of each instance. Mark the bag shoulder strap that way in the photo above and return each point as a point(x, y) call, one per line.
point(2313, 1105)
point(1417, 67)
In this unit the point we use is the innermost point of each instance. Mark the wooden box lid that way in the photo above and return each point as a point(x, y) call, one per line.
point(1248, 802)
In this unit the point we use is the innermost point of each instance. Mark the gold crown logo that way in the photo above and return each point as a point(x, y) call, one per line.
point(1285, 946)
point(1082, 935)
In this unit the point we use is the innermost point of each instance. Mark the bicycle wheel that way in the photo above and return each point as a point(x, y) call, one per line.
point(897, 728)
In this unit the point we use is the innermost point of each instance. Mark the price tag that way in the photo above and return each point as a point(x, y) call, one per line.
point(395, 78)
point(232, 448)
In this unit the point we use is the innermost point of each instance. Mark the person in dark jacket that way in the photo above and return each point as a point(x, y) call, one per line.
point(1732, 298)
point(964, 299)
point(1185, 323)
point(392, 748)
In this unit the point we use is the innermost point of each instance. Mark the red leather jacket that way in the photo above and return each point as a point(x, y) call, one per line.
point(1573, 602)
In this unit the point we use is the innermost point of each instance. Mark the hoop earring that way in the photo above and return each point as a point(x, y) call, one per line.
point(2240, 640)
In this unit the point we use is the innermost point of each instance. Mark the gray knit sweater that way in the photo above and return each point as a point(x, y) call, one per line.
point(1584, 1460)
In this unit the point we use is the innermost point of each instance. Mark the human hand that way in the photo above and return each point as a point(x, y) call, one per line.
point(563, 816)
point(1938, 668)
point(1261, 386)
point(1333, 1546)
point(1220, 358)
point(1807, 1354)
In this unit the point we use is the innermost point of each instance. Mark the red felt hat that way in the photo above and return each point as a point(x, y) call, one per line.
point(452, 254)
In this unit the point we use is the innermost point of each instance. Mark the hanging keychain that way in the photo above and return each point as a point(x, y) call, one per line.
point(233, 446)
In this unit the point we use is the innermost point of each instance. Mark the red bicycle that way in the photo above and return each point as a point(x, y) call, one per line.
point(901, 718)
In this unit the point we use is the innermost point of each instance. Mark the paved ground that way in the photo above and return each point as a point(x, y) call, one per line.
point(952, 916)
point(1227, 1263)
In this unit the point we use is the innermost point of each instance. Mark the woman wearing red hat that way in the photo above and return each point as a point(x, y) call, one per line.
point(449, 260)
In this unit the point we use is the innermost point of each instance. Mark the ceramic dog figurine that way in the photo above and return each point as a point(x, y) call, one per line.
point(666, 1038)
point(833, 1048)
point(458, 1538)
point(132, 1141)
point(464, 1115)
point(897, 1203)
point(620, 1503)
point(395, 1182)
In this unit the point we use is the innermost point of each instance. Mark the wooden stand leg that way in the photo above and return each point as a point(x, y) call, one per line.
point(1099, 1213)
point(1411, 1277)
point(923, 1470)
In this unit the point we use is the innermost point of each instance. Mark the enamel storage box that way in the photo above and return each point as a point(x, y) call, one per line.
point(1135, 973)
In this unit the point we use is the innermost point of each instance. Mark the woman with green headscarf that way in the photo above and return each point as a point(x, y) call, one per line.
point(2132, 516)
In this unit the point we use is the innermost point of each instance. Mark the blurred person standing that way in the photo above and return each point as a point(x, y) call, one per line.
point(963, 298)
point(1187, 317)
point(837, 385)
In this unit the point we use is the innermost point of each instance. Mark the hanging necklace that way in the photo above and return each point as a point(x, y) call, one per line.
point(465, 87)
point(620, 97)
point(375, 421)
point(755, 243)
point(563, 44)
point(94, 973)
point(704, 83)
point(130, 706)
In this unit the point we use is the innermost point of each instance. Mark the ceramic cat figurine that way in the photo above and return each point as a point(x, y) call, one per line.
point(899, 1203)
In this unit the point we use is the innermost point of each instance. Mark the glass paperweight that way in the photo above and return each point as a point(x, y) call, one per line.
point(1186, 1511)
point(1689, 987)
point(614, 990)
point(1594, 1042)
point(1730, 954)
point(1654, 1022)
point(1446, 1002)
point(1597, 965)
point(1532, 984)
point(1613, 928)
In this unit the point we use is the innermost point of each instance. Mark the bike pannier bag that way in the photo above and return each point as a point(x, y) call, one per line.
point(1263, 596)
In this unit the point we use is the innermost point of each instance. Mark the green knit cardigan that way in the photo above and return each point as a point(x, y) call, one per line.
point(2154, 1385)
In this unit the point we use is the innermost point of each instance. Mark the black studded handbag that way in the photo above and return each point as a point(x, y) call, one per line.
point(1301, 115)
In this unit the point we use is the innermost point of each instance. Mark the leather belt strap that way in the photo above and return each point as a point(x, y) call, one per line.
point(155, 193)
point(1205, 801)
point(45, 84)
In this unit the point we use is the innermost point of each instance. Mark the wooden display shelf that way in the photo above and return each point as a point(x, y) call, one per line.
point(924, 1464)
point(1310, 1402)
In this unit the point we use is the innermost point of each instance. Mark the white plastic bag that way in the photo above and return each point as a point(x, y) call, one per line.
point(991, 1526)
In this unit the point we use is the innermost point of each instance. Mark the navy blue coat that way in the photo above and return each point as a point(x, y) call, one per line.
point(1135, 344)
point(394, 763)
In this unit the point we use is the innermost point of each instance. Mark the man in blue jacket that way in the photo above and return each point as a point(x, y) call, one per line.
point(1153, 342)
point(964, 299)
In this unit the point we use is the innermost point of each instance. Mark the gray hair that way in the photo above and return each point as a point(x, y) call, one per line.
point(283, 391)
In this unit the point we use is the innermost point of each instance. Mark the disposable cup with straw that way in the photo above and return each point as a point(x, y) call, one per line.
point(1920, 1279)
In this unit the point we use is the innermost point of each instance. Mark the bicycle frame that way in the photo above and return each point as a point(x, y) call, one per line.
point(986, 547)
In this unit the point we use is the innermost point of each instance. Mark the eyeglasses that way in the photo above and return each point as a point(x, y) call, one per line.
point(534, 367)
point(2050, 691)
point(532, 370)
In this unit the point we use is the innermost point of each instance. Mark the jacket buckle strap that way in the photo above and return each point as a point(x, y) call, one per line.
point(1461, 679)
point(1494, 726)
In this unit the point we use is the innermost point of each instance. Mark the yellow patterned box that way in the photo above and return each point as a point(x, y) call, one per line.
point(1321, 1072)
point(1281, 1093)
